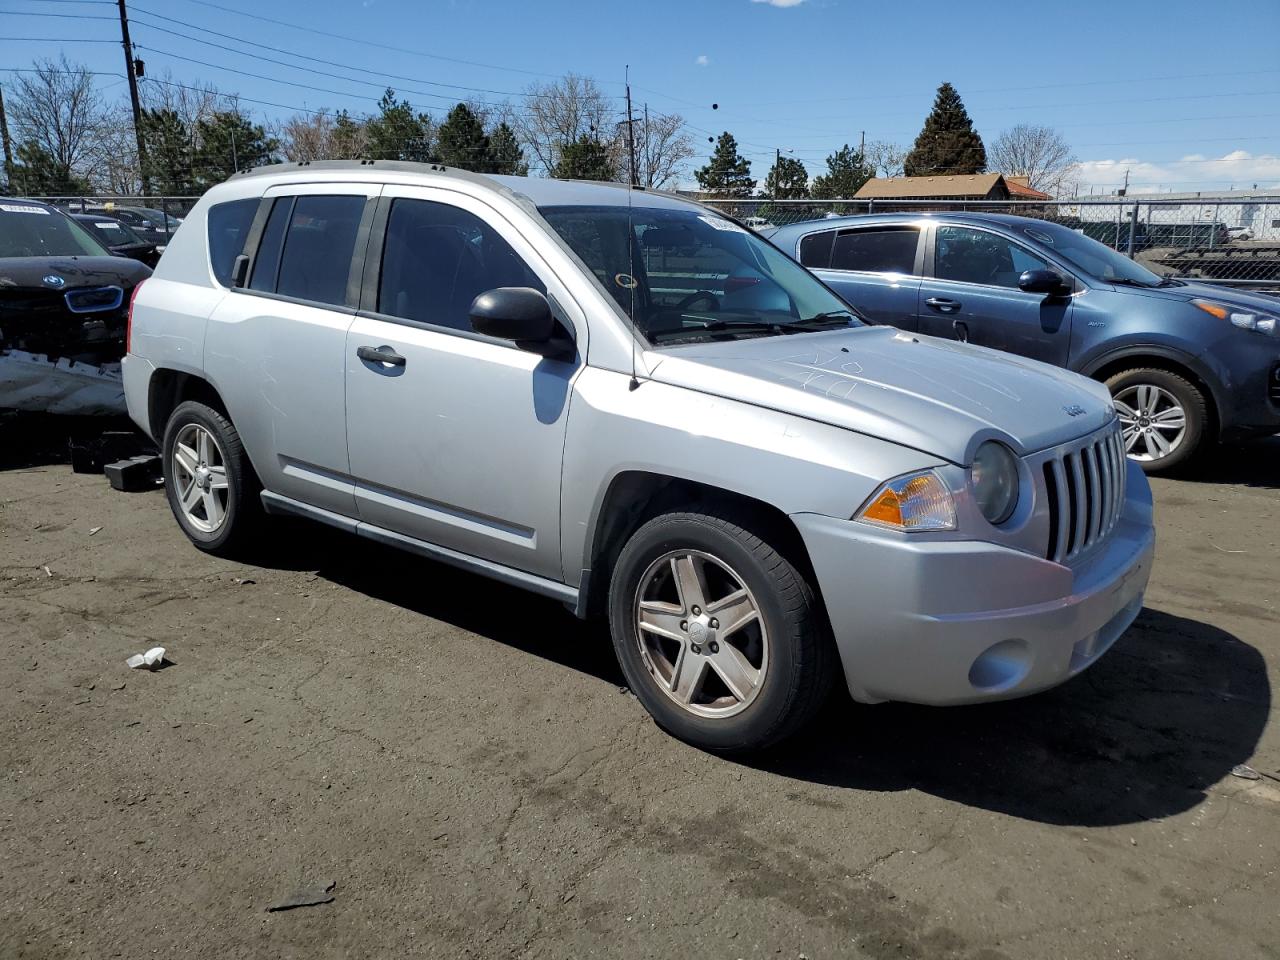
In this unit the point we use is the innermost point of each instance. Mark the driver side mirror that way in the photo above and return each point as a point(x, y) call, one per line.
point(1048, 282)
point(523, 315)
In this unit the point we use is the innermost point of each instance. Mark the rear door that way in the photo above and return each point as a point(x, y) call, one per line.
point(275, 349)
point(876, 268)
point(970, 292)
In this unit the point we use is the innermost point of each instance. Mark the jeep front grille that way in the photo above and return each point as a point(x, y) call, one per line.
point(1085, 483)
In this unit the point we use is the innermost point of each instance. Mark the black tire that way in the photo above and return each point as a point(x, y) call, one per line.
point(1189, 397)
point(802, 657)
point(244, 513)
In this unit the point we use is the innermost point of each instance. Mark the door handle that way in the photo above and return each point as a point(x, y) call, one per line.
point(943, 304)
point(380, 355)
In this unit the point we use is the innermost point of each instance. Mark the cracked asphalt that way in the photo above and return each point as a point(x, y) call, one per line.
point(459, 759)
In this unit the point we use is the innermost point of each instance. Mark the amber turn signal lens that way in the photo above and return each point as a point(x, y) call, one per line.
point(917, 501)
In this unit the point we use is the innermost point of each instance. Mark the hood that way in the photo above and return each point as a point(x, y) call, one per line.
point(29, 272)
point(1190, 290)
point(938, 396)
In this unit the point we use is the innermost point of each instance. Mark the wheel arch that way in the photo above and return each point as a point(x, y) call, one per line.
point(1160, 358)
point(170, 387)
point(634, 497)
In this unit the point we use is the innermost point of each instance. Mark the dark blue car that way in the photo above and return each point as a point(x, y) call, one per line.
point(1187, 363)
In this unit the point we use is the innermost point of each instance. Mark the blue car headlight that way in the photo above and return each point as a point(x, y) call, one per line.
point(1254, 320)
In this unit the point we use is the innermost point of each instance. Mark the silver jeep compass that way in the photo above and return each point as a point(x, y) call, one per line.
point(625, 401)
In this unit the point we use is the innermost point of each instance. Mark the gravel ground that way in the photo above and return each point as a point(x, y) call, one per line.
point(459, 759)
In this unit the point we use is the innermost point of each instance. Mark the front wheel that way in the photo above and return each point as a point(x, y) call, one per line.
point(719, 635)
point(1164, 417)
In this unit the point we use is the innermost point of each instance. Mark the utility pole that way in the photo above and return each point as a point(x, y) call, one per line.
point(132, 74)
point(631, 129)
point(777, 173)
point(8, 147)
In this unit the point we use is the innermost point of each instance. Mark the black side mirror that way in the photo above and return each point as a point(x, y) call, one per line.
point(521, 314)
point(1048, 282)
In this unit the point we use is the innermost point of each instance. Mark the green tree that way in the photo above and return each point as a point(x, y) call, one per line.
point(847, 170)
point(505, 155)
point(228, 142)
point(727, 174)
point(37, 173)
point(398, 133)
point(169, 152)
point(947, 144)
point(461, 141)
point(585, 159)
point(787, 180)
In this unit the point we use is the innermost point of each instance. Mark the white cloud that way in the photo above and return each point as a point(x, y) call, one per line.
point(1238, 168)
point(780, 3)
point(702, 60)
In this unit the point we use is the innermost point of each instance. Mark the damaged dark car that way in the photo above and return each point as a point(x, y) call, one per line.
point(64, 301)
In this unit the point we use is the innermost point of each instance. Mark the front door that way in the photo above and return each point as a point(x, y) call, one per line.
point(972, 294)
point(455, 438)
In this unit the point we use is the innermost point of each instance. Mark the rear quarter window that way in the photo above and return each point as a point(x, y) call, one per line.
point(228, 226)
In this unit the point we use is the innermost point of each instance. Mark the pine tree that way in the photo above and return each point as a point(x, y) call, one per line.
point(585, 159)
point(847, 170)
point(228, 142)
point(397, 133)
point(948, 144)
point(505, 155)
point(461, 141)
point(787, 180)
point(170, 145)
point(728, 174)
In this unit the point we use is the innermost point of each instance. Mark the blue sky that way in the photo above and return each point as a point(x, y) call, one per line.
point(1185, 95)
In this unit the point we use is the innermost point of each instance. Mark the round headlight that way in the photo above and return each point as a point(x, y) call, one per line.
point(994, 479)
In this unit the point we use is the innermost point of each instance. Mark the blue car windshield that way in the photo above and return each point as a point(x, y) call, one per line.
point(688, 274)
point(1094, 258)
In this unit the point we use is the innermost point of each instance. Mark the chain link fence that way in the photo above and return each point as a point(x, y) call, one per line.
point(1232, 242)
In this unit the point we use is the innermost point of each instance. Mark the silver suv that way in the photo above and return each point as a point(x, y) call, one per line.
point(625, 401)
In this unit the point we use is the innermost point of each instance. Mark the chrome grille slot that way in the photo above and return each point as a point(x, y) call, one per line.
point(1084, 489)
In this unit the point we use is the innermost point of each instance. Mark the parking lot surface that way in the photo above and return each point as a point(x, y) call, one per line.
point(460, 760)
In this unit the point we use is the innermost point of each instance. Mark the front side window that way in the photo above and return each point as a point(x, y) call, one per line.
point(684, 274)
point(437, 258)
point(1086, 254)
point(228, 225)
point(27, 230)
point(878, 250)
point(978, 256)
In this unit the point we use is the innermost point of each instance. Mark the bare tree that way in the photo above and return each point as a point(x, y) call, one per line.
point(663, 144)
point(1036, 152)
point(114, 154)
point(886, 159)
point(57, 110)
point(561, 112)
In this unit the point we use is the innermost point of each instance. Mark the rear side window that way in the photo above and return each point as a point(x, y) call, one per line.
point(228, 225)
point(437, 258)
point(307, 248)
point(815, 250)
point(882, 250)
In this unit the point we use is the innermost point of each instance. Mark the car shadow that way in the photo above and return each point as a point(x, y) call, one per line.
point(1142, 735)
point(1252, 463)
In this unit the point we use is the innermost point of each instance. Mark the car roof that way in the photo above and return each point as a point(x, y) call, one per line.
point(540, 191)
point(905, 216)
point(23, 201)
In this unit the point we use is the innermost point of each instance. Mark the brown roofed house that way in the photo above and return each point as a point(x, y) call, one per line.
point(977, 186)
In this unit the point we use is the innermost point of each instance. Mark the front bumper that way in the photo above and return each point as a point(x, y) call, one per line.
point(950, 622)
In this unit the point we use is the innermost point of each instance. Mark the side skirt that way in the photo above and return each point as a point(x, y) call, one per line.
point(569, 596)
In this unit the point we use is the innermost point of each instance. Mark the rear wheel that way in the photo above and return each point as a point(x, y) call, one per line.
point(718, 633)
point(209, 482)
point(1164, 417)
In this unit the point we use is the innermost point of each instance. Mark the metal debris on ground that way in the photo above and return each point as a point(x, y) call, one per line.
point(1245, 772)
point(94, 530)
point(306, 897)
point(151, 659)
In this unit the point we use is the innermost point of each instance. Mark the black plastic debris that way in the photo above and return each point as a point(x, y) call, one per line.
point(135, 474)
point(306, 897)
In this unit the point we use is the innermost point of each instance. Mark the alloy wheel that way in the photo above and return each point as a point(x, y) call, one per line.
point(1153, 421)
point(701, 633)
point(200, 478)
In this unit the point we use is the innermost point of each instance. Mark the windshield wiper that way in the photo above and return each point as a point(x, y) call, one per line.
point(717, 326)
point(821, 321)
point(1130, 282)
point(1171, 282)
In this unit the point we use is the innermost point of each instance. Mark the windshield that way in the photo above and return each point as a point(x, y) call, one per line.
point(690, 274)
point(1094, 258)
point(30, 231)
point(111, 232)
